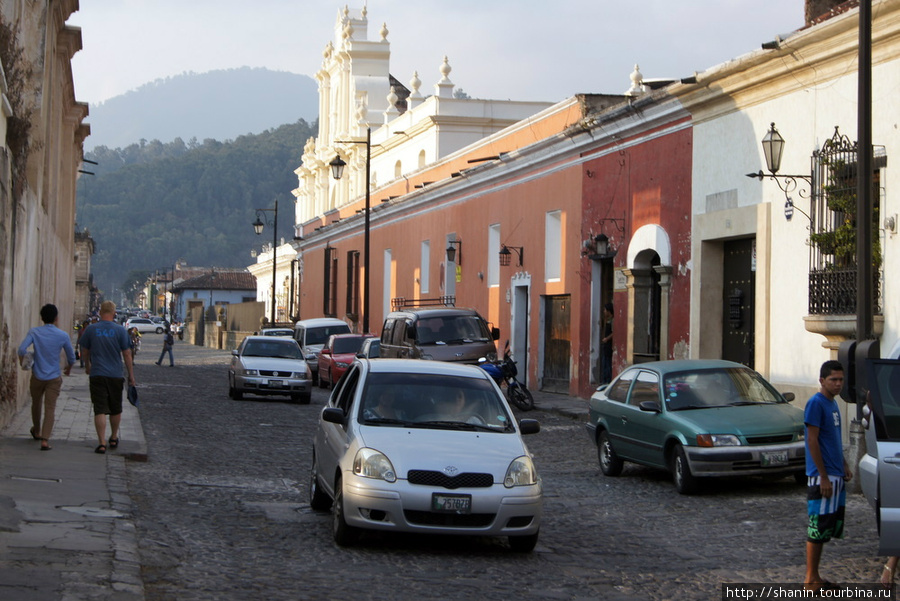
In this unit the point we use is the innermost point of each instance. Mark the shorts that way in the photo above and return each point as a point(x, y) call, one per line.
point(106, 395)
point(826, 516)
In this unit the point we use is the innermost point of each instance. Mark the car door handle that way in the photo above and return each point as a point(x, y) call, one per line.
point(895, 460)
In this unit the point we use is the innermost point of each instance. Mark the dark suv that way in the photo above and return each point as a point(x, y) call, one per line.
point(438, 333)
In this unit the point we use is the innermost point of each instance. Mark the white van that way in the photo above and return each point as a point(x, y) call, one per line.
point(312, 334)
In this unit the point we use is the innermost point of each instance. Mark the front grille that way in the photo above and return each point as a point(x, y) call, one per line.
point(452, 520)
point(771, 439)
point(440, 480)
point(275, 374)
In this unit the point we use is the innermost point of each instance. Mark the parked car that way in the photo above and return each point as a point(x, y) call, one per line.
point(276, 332)
point(337, 355)
point(697, 419)
point(879, 468)
point(311, 335)
point(428, 447)
point(144, 325)
point(370, 348)
point(269, 365)
point(438, 333)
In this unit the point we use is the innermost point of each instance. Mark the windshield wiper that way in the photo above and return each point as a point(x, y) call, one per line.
point(389, 421)
point(452, 425)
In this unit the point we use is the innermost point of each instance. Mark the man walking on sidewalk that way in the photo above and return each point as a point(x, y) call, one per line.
point(46, 379)
point(102, 344)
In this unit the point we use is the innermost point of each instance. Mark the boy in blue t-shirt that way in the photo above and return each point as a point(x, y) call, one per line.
point(826, 468)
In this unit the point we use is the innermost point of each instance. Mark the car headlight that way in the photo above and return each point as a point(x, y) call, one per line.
point(718, 440)
point(521, 472)
point(250, 372)
point(370, 463)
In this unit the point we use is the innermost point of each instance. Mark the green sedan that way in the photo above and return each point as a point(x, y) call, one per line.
point(697, 419)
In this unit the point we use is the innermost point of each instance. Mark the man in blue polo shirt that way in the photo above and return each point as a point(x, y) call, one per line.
point(46, 380)
point(826, 470)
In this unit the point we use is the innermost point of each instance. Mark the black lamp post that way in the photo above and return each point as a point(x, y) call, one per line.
point(337, 169)
point(258, 228)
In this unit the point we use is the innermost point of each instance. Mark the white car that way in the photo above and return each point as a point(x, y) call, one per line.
point(425, 447)
point(879, 468)
point(144, 325)
point(269, 365)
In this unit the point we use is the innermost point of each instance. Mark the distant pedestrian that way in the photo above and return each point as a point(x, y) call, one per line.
point(826, 469)
point(103, 343)
point(606, 344)
point(46, 380)
point(168, 343)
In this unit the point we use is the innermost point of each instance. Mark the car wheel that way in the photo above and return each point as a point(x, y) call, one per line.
point(610, 464)
point(318, 500)
point(159, 330)
point(344, 534)
point(685, 482)
point(523, 544)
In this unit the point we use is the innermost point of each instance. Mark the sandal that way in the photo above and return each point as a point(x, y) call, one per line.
point(100, 449)
point(113, 443)
point(45, 445)
point(34, 436)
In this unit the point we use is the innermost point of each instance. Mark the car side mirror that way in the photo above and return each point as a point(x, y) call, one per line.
point(333, 415)
point(650, 406)
point(234, 352)
point(495, 333)
point(788, 396)
point(529, 426)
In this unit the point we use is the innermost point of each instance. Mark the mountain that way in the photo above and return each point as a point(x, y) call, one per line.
point(151, 204)
point(218, 105)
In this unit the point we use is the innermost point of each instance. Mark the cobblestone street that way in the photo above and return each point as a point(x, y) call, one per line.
point(221, 511)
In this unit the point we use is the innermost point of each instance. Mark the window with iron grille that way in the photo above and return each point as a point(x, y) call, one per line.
point(330, 288)
point(832, 238)
point(353, 285)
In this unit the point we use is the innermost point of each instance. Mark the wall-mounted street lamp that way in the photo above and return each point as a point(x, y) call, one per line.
point(337, 170)
point(773, 149)
point(454, 249)
point(258, 228)
point(506, 255)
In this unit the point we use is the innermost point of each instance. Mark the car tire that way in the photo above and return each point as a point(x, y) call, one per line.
point(610, 464)
point(524, 544)
point(159, 330)
point(318, 500)
point(344, 534)
point(801, 478)
point(685, 482)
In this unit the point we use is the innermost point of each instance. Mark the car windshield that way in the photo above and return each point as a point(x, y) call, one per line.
point(452, 329)
point(320, 335)
point(433, 401)
point(724, 387)
point(281, 350)
point(347, 345)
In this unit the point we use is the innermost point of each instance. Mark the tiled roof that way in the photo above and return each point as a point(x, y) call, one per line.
point(220, 280)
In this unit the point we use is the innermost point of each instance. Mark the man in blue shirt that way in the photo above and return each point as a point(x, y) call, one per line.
point(105, 345)
point(826, 469)
point(46, 380)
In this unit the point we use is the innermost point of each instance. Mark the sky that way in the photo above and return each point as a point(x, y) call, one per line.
point(534, 50)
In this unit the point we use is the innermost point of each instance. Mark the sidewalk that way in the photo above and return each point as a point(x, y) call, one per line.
point(65, 514)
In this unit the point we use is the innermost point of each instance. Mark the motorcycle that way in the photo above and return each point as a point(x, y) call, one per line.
point(504, 371)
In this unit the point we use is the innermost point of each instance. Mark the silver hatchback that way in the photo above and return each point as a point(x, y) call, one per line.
point(427, 447)
point(269, 365)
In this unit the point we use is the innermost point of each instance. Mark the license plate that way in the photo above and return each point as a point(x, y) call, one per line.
point(451, 503)
point(774, 458)
point(276, 383)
